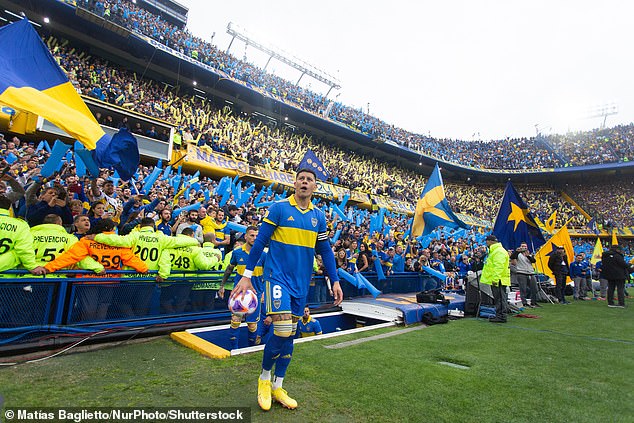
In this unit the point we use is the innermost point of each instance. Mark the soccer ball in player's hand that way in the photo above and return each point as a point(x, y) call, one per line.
point(246, 305)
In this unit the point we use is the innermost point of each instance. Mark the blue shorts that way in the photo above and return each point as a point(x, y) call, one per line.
point(279, 301)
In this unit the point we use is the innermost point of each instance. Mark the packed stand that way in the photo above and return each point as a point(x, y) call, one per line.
point(609, 145)
point(225, 132)
point(612, 207)
point(283, 149)
point(520, 153)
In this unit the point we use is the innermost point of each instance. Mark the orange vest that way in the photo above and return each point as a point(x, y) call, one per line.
point(113, 258)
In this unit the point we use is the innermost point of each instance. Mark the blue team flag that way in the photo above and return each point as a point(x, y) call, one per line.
point(515, 224)
point(592, 225)
point(32, 81)
point(432, 208)
point(121, 152)
point(310, 161)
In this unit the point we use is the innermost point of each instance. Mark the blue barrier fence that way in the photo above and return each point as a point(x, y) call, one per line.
point(77, 301)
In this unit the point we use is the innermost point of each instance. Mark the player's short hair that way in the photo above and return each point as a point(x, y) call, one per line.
point(251, 228)
point(305, 169)
point(188, 231)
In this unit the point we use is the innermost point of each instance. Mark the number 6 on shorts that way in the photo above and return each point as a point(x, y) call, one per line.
point(277, 299)
point(277, 292)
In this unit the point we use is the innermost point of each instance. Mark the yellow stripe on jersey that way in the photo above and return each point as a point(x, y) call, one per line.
point(268, 221)
point(258, 271)
point(295, 236)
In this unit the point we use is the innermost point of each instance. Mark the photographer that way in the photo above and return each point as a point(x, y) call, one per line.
point(477, 263)
point(53, 200)
point(523, 261)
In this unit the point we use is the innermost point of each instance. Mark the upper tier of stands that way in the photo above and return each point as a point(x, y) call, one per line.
point(523, 153)
point(258, 143)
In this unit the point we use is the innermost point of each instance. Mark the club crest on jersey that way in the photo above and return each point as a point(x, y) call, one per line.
point(314, 222)
point(277, 303)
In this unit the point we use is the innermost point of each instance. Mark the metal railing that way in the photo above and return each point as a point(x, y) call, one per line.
point(76, 301)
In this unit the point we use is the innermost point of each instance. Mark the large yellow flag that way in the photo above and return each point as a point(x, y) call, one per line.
point(597, 252)
point(560, 238)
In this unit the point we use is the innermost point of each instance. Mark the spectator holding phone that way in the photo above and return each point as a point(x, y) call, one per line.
point(53, 200)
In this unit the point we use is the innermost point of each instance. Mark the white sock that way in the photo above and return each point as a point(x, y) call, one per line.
point(277, 383)
point(265, 375)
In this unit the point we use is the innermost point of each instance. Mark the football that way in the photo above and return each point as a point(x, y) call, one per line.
point(244, 305)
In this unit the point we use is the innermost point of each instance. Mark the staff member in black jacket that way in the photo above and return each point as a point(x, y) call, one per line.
point(615, 270)
point(558, 264)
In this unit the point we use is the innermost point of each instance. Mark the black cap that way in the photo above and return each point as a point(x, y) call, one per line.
point(492, 238)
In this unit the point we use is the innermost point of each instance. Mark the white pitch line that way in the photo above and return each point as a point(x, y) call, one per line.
point(373, 338)
point(454, 365)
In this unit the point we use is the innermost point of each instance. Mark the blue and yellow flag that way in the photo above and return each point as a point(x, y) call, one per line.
point(515, 224)
point(432, 208)
point(311, 161)
point(31, 81)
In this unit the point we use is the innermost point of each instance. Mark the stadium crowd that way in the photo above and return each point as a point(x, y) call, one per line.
point(258, 143)
point(225, 132)
point(74, 219)
point(597, 146)
point(522, 153)
point(280, 148)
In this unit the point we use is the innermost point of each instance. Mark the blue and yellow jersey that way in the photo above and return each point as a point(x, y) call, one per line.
point(309, 328)
point(351, 256)
point(239, 258)
point(292, 245)
point(220, 229)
